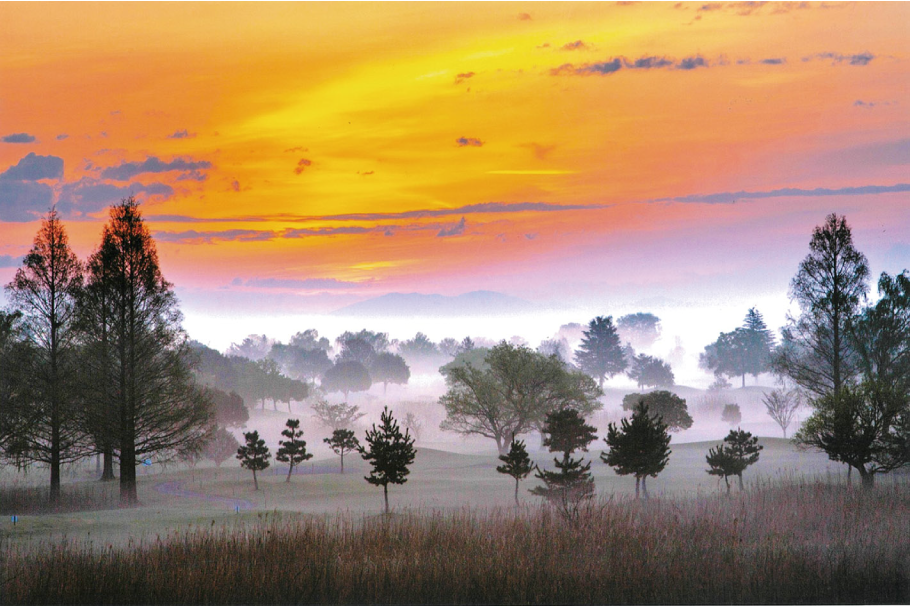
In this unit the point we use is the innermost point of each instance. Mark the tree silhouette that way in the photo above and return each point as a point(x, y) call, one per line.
point(516, 463)
point(389, 368)
point(292, 451)
point(739, 451)
point(668, 406)
point(254, 455)
point(390, 454)
point(220, 445)
point(347, 376)
point(781, 405)
point(651, 371)
point(336, 415)
point(641, 329)
point(571, 483)
point(600, 354)
point(641, 447)
point(342, 441)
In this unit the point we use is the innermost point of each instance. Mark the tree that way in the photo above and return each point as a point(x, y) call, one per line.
point(310, 340)
point(229, 409)
point(336, 415)
point(355, 349)
point(513, 393)
point(254, 455)
point(390, 454)
point(641, 329)
point(739, 451)
point(15, 397)
point(346, 377)
point(730, 355)
point(731, 414)
point(641, 447)
point(781, 405)
point(45, 289)
point(301, 363)
point(254, 347)
point(572, 482)
point(600, 353)
point(155, 405)
point(760, 342)
point(220, 445)
point(829, 287)
point(668, 406)
point(292, 451)
point(866, 426)
point(377, 342)
point(420, 347)
point(389, 368)
point(651, 371)
point(342, 441)
point(516, 463)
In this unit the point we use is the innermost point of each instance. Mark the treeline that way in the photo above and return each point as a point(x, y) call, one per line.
point(93, 359)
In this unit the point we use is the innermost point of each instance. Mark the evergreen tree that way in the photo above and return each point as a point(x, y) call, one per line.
point(254, 455)
point(600, 354)
point(342, 441)
point(739, 451)
point(651, 371)
point(572, 482)
point(45, 290)
point(641, 447)
point(292, 451)
point(390, 454)
point(516, 463)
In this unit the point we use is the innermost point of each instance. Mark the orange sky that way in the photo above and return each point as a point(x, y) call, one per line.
point(344, 148)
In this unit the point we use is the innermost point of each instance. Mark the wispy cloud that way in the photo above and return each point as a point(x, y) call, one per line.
point(578, 45)
point(732, 197)
point(453, 230)
point(302, 164)
point(463, 76)
point(127, 170)
point(18, 138)
point(469, 141)
point(181, 134)
point(615, 64)
point(856, 59)
point(206, 237)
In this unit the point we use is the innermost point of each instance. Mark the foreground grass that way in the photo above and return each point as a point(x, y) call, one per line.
point(800, 543)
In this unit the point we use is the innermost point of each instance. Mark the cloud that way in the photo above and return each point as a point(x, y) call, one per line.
point(18, 138)
point(301, 165)
point(857, 59)
point(647, 63)
point(524, 17)
point(732, 197)
point(615, 64)
point(33, 167)
point(192, 176)
point(297, 149)
point(8, 261)
point(454, 230)
point(183, 134)
point(774, 61)
point(127, 170)
point(690, 63)
point(22, 201)
point(90, 196)
point(196, 237)
point(463, 76)
point(578, 45)
point(235, 185)
point(303, 232)
point(531, 236)
point(62, 136)
point(469, 141)
point(296, 283)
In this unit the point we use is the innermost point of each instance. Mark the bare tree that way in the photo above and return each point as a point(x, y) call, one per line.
point(781, 406)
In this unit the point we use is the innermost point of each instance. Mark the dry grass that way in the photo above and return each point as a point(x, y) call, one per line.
point(73, 498)
point(779, 543)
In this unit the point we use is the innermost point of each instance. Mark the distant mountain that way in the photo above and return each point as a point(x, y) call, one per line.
point(475, 303)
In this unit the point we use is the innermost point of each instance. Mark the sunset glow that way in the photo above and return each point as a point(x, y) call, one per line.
point(556, 152)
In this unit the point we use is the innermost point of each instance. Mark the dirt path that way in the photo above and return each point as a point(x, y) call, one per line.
point(175, 488)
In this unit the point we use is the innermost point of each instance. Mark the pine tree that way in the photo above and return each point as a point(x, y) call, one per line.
point(572, 482)
point(640, 447)
point(739, 451)
point(292, 451)
point(600, 354)
point(390, 454)
point(254, 455)
point(342, 441)
point(516, 463)
point(45, 289)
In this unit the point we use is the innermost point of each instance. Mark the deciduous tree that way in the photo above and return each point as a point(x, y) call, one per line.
point(336, 415)
point(668, 406)
point(641, 329)
point(389, 368)
point(346, 377)
point(781, 406)
point(220, 445)
point(651, 371)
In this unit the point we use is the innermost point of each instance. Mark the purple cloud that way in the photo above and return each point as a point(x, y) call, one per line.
point(127, 170)
point(18, 138)
point(469, 141)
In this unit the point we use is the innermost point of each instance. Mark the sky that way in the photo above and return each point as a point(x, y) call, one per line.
point(596, 157)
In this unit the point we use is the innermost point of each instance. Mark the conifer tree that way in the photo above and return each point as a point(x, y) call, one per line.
point(342, 441)
point(600, 354)
point(254, 455)
point(641, 447)
point(390, 454)
point(292, 451)
point(739, 451)
point(516, 463)
point(572, 482)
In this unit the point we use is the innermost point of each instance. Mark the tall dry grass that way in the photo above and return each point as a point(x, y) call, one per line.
point(73, 498)
point(796, 543)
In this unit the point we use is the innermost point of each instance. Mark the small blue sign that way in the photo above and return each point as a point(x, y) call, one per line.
point(237, 509)
point(14, 518)
point(147, 462)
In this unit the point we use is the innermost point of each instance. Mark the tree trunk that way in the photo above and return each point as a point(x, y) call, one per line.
point(499, 445)
point(290, 471)
point(868, 479)
point(342, 462)
point(849, 475)
point(744, 380)
point(727, 481)
point(255, 480)
point(107, 473)
point(516, 493)
point(644, 487)
point(55, 456)
point(385, 493)
point(637, 483)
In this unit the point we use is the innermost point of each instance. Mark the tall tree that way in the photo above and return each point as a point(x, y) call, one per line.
point(293, 450)
point(830, 285)
point(641, 447)
point(571, 483)
point(641, 329)
point(389, 368)
point(760, 340)
point(390, 453)
point(342, 441)
point(512, 392)
point(45, 289)
point(254, 455)
point(600, 354)
point(738, 451)
point(516, 463)
point(651, 371)
point(158, 407)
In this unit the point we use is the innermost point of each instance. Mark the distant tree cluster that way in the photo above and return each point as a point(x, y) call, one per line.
point(744, 351)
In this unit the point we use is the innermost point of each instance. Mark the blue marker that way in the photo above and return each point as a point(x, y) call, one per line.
point(14, 518)
point(237, 509)
point(147, 462)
